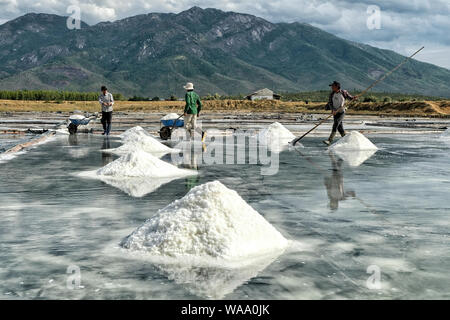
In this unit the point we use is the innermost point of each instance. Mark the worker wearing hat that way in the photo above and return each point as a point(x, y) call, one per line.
point(336, 103)
point(192, 110)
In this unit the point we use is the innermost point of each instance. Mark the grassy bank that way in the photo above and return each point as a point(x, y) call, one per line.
point(408, 108)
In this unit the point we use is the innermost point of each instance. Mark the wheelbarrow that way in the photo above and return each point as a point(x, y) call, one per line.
point(167, 126)
point(79, 120)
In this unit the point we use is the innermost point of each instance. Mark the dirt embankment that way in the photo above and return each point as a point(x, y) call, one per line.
point(408, 108)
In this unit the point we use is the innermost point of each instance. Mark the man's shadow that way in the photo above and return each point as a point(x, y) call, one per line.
point(335, 183)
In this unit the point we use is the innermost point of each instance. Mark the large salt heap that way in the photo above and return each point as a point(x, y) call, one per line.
point(276, 137)
point(211, 221)
point(354, 148)
point(138, 139)
point(138, 173)
point(133, 132)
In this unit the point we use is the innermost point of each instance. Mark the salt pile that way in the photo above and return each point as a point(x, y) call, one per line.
point(170, 116)
point(141, 164)
point(354, 148)
point(133, 133)
point(145, 143)
point(276, 137)
point(353, 141)
point(137, 138)
point(211, 221)
point(138, 173)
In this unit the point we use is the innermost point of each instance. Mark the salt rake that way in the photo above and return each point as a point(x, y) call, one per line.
point(293, 142)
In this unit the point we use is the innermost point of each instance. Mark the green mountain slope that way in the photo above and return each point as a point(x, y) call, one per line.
point(223, 52)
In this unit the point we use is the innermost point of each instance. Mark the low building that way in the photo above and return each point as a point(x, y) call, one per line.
point(263, 94)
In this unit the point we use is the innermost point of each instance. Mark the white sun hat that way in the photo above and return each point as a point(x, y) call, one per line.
point(189, 86)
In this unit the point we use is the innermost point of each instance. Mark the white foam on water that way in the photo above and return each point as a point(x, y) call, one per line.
point(276, 137)
point(211, 221)
point(142, 142)
point(170, 116)
point(353, 141)
point(138, 173)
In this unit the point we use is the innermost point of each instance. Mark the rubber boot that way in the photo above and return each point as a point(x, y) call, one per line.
point(343, 134)
point(330, 139)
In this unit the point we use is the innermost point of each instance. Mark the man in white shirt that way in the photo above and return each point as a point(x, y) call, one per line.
point(336, 103)
point(106, 100)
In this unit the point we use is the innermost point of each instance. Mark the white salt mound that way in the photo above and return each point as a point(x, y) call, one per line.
point(276, 137)
point(138, 173)
point(276, 131)
point(133, 133)
point(353, 141)
point(143, 142)
point(142, 164)
point(170, 116)
point(210, 221)
point(76, 117)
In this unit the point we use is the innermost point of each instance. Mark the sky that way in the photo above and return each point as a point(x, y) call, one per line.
point(400, 25)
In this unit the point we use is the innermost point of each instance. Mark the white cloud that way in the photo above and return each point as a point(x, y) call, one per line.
point(405, 24)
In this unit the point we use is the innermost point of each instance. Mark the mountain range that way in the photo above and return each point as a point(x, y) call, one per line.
point(221, 52)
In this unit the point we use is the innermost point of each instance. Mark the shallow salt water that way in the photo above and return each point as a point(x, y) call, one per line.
point(391, 212)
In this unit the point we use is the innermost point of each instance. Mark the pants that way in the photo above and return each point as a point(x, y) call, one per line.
point(106, 121)
point(338, 123)
point(190, 124)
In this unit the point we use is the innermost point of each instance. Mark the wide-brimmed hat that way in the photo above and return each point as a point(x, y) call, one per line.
point(189, 86)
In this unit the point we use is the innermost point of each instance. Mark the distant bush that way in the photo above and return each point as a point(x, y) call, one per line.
point(156, 99)
point(370, 99)
point(173, 98)
point(136, 98)
point(387, 99)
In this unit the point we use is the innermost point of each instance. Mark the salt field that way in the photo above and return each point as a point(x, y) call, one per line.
point(331, 218)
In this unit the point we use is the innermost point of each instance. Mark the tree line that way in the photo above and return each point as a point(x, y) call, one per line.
point(52, 95)
point(311, 96)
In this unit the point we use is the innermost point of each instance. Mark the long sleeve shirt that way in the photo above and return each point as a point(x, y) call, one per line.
point(106, 98)
point(193, 103)
point(338, 101)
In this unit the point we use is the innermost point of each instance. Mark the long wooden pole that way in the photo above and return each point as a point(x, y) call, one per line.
point(361, 94)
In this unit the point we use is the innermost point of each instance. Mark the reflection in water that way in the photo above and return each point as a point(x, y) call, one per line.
point(335, 183)
point(73, 140)
point(106, 156)
point(213, 282)
point(355, 158)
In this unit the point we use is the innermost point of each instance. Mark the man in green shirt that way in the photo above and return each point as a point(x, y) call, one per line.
point(192, 110)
